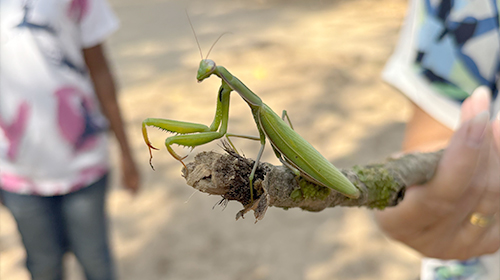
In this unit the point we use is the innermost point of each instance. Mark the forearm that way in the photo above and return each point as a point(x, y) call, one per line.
point(105, 90)
point(424, 133)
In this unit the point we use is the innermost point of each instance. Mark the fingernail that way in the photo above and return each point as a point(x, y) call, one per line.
point(481, 99)
point(482, 92)
point(477, 128)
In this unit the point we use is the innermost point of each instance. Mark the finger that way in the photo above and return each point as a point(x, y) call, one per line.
point(480, 100)
point(496, 132)
point(476, 226)
point(489, 175)
point(486, 181)
point(456, 168)
point(489, 242)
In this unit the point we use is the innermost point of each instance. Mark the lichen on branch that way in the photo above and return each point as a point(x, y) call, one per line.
point(381, 185)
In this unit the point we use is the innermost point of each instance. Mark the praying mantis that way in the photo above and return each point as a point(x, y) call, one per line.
point(290, 148)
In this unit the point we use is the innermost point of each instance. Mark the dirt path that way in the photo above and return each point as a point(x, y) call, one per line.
point(320, 60)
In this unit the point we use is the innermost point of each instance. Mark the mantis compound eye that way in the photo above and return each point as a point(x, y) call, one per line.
point(207, 67)
point(210, 64)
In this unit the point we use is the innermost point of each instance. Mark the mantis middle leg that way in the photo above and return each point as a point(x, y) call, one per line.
point(285, 115)
point(259, 155)
point(250, 137)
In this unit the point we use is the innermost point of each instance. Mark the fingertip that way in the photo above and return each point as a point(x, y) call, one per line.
point(480, 99)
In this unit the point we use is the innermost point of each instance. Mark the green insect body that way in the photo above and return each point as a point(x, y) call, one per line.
point(302, 155)
point(292, 150)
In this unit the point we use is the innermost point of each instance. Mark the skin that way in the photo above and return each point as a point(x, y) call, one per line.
point(106, 93)
point(434, 218)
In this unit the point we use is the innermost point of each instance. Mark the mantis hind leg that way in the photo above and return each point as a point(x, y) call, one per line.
point(285, 115)
point(285, 163)
point(295, 171)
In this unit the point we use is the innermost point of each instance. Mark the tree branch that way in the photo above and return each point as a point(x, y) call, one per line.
point(381, 185)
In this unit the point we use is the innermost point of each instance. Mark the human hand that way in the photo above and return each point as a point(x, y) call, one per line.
point(456, 214)
point(130, 174)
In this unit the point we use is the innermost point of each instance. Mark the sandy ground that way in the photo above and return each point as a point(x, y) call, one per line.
point(319, 59)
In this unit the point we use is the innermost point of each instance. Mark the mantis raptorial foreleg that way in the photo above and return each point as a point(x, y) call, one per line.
point(193, 134)
point(203, 135)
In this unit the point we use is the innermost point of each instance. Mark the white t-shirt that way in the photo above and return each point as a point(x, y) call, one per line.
point(446, 50)
point(53, 135)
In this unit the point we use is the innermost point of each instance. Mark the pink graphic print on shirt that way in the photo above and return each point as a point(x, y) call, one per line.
point(78, 9)
point(74, 116)
point(14, 183)
point(15, 130)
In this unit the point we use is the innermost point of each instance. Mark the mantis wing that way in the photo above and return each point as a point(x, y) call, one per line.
point(302, 155)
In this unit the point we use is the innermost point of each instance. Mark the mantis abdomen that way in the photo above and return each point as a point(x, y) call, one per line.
point(302, 155)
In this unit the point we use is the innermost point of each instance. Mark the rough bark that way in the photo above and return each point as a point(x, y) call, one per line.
point(381, 185)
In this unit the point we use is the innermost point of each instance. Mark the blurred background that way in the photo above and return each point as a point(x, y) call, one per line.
point(320, 60)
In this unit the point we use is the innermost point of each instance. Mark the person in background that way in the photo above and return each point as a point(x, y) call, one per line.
point(57, 103)
point(447, 63)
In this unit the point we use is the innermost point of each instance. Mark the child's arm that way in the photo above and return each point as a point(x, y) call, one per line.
point(106, 92)
point(424, 133)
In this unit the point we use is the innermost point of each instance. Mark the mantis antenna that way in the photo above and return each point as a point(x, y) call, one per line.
point(216, 42)
point(194, 33)
point(196, 38)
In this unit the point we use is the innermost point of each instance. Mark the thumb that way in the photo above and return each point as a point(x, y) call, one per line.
point(480, 100)
point(459, 161)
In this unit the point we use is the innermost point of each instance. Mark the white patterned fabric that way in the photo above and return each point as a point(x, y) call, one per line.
point(53, 136)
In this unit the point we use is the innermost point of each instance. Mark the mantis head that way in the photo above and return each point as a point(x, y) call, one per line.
point(207, 68)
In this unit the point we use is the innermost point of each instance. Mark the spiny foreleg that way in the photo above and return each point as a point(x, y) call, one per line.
point(170, 126)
